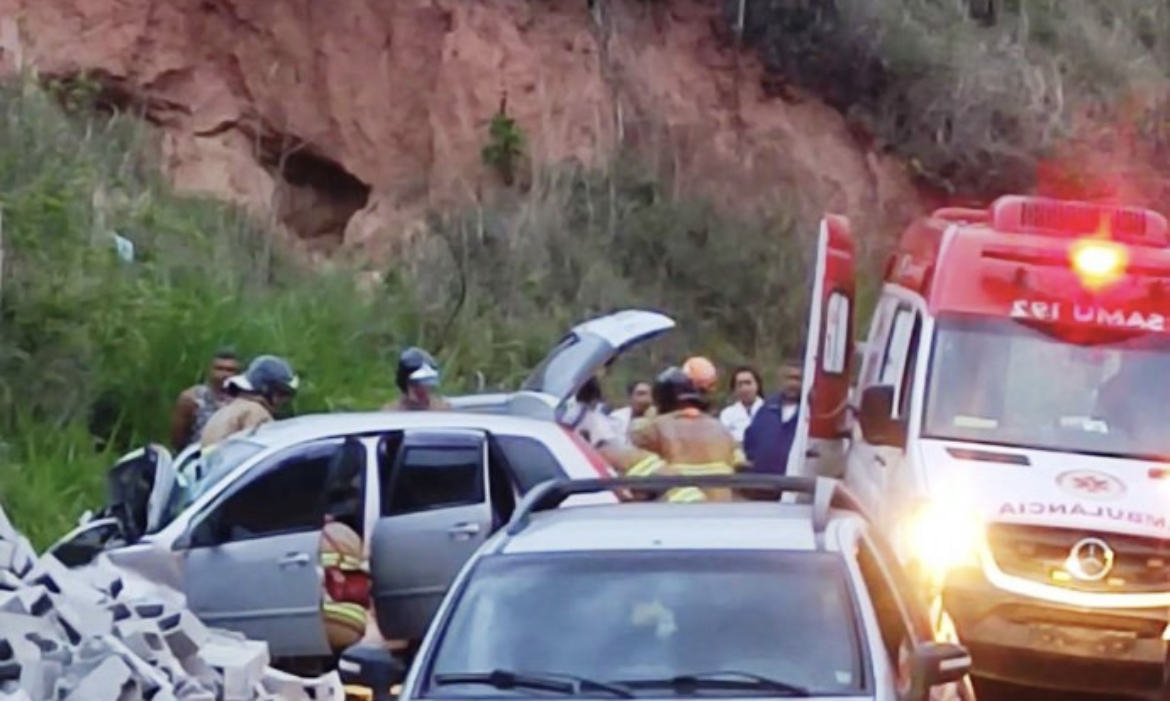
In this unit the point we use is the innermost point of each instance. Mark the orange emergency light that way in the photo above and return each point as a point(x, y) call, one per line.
point(1098, 260)
point(1098, 263)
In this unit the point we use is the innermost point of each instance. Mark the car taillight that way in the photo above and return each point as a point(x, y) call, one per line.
point(595, 460)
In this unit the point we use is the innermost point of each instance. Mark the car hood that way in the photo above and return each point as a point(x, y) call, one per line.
point(1021, 486)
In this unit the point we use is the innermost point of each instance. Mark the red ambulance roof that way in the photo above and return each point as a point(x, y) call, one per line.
point(1015, 260)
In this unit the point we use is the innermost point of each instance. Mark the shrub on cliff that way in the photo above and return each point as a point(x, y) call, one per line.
point(489, 290)
point(973, 92)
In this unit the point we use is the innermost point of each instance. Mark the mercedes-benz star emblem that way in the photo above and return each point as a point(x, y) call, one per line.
point(1090, 560)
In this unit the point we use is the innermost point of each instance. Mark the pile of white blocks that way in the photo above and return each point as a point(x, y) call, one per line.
point(85, 635)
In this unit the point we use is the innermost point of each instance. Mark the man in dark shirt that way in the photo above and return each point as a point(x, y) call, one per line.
point(768, 439)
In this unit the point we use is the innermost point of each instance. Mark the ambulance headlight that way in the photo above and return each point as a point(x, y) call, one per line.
point(939, 537)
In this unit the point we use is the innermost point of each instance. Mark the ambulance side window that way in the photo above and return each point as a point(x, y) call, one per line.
point(906, 391)
point(897, 346)
point(876, 345)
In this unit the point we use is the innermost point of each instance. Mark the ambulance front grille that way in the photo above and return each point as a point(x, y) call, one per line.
point(1041, 554)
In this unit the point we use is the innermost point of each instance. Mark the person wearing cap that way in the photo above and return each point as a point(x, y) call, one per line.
point(259, 392)
point(688, 441)
point(198, 403)
point(417, 377)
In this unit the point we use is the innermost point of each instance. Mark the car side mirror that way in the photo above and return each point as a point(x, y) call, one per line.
point(371, 671)
point(876, 417)
point(937, 663)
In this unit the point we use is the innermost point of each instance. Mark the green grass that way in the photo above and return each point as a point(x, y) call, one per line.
point(489, 290)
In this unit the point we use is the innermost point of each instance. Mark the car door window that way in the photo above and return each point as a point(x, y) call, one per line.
point(529, 460)
point(284, 497)
point(427, 477)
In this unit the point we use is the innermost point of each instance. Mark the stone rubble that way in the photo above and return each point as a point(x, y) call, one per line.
point(93, 634)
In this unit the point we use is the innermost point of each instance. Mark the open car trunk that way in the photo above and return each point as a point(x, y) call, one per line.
point(572, 361)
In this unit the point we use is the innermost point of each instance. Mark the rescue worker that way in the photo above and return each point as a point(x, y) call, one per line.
point(346, 604)
point(689, 441)
point(417, 376)
point(260, 391)
point(704, 377)
point(197, 403)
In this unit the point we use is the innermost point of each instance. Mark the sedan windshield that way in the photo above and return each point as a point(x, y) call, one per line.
point(1001, 382)
point(643, 620)
point(198, 471)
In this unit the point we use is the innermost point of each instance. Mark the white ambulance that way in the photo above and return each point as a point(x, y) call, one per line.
point(1009, 427)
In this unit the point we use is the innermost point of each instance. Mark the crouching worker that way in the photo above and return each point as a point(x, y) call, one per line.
point(346, 604)
point(687, 440)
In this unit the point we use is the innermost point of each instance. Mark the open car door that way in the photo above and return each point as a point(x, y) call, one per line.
point(818, 448)
point(575, 358)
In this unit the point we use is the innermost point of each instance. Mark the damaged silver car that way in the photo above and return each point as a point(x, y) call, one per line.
point(237, 530)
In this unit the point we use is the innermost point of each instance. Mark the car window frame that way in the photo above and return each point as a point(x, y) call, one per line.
point(389, 482)
point(264, 467)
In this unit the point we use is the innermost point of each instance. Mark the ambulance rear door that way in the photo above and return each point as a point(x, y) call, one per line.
point(824, 423)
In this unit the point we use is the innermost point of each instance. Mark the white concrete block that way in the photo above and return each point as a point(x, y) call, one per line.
point(286, 686)
point(79, 618)
point(7, 531)
point(241, 664)
point(184, 633)
point(103, 682)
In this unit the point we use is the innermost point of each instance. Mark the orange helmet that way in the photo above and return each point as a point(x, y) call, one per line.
point(702, 372)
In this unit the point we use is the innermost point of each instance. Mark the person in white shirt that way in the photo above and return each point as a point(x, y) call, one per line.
point(639, 398)
point(585, 416)
point(745, 386)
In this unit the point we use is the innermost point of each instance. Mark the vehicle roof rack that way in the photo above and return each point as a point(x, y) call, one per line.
point(826, 493)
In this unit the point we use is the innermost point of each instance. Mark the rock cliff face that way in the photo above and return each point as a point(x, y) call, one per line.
point(348, 118)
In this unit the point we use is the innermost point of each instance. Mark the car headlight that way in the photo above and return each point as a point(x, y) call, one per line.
point(940, 537)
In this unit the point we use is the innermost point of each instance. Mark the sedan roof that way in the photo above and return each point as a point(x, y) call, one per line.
point(664, 526)
point(323, 426)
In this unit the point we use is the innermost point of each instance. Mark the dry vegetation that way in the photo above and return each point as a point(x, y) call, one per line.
point(977, 93)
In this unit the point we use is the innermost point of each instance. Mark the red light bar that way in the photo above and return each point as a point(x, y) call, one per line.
point(1038, 215)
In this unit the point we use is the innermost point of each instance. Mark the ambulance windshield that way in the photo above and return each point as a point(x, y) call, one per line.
point(999, 381)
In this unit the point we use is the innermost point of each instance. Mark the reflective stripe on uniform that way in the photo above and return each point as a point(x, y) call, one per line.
point(342, 562)
point(694, 469)
point(686, 494)
point(648, 466)
point(345, 611)
point(739, 457)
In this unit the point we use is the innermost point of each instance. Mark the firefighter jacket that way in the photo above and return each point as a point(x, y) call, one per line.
point(346, 582)
point(244, 412)
point(691, 442)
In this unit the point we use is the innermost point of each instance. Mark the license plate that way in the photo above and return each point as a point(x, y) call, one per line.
point(1080, 640)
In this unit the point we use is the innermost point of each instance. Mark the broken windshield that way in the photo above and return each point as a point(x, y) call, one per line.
point(999, 381)
point(198, 471)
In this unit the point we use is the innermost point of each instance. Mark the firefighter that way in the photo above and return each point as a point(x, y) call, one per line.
point(417, 377)
point(346, 602)
point(688, 441)
point(259, 392)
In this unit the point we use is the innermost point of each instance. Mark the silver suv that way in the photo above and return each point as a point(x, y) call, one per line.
point(770, 598)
